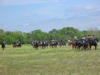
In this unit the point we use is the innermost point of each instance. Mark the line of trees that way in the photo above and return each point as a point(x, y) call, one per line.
point(64, 33)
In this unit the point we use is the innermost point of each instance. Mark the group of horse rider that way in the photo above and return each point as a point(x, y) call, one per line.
point(45, 43)
point(36, 43)
point(85, 42)
point(15, 44)
point(42, 43)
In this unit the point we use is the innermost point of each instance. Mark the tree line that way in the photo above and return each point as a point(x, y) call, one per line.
point(26, 38)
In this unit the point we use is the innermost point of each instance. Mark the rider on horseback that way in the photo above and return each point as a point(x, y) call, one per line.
point(93, 37)
point(89, 37)
point(92, 41)
point(75, 38)
point(83, 39)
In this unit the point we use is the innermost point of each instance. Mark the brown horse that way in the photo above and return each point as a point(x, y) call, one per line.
point(69, 42)
point(72, 43)
point(53, 43)
point(62, 44)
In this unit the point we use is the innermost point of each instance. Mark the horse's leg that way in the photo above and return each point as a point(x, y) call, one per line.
point(90, 47)
point(42, 47)
point(85, 47)
point(95, 47)
point(37, 47)
point(72, 46)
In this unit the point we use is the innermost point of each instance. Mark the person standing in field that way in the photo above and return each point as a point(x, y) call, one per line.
point(3, 45)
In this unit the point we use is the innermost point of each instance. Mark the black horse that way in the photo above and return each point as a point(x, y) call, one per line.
point(82, 44)
point(93, 42)
point(35, 44)
point(44, 44)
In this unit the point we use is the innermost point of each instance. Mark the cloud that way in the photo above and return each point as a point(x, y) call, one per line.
point(89, 7)
point(50, 11)
point(49, 14)
point(23, 2)
point(19, 2)
point(27, 15)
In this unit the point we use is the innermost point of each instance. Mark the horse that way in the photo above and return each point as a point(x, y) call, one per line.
point(62, 43)
point(72, 43)
point(35, 44)
point(82, 44)
point(93, 42)
point(53, 43)
point(87, 43)
point(15, 44)
point(69, 42)
point(43, 44)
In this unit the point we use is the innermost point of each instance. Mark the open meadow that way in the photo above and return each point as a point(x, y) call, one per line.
point(49, 61)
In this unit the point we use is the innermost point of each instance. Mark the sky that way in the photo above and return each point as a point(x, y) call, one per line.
point(29, 15)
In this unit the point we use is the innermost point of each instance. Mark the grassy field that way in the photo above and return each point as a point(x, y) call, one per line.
point(50, 61)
